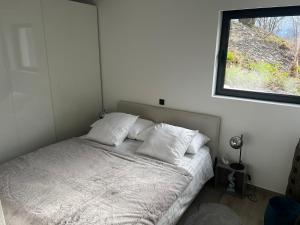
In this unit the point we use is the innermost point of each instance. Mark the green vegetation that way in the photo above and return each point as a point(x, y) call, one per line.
point(234, 57)
point(260, 60)
point(230, 56)
point(259, 76)
point(283, 44)
point(240, 78)
point(276, 81)
point(293, 85)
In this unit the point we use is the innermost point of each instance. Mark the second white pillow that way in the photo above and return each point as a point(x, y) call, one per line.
point(138, 127)
point(167, 143)
point(198, 141)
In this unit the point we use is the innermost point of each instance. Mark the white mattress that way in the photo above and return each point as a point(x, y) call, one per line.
point(198, 165)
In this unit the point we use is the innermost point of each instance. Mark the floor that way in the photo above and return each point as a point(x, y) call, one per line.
point(251, 213)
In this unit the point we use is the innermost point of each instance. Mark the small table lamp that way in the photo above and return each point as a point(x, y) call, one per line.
point(2, 220)
point(236, 142)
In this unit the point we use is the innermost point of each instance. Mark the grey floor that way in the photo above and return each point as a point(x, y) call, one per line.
point(251, 213)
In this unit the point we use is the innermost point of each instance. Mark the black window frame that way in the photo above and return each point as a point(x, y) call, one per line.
point(223, 47)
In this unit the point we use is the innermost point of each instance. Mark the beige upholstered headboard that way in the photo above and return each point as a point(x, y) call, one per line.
point(205, 123)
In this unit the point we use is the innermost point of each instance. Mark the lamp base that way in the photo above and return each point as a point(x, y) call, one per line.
point(237, 166)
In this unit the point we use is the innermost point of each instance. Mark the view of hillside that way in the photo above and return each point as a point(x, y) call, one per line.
point(264, 55)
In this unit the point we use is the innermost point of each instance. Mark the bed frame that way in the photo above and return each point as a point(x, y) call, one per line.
point(205, 123)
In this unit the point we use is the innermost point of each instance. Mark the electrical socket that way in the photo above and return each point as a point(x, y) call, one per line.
point(161, 101)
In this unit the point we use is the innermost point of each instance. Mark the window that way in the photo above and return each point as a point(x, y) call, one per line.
point(259, 54)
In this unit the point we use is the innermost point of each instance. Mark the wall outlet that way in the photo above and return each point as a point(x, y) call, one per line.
point(161, 101)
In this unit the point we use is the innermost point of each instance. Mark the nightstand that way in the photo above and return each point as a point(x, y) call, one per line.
point(221, 178)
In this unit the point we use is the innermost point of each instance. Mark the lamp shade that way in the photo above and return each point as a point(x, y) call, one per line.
point(236, 142)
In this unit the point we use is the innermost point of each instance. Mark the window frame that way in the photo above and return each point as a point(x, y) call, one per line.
point(226, 17)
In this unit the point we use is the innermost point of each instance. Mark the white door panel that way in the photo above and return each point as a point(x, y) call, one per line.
point(73, 56)
point(8, 133)
point(23, 34)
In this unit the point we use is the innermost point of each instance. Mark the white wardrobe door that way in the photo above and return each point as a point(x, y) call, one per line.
point(8, 132)
point(24, 56)
point(73, 57)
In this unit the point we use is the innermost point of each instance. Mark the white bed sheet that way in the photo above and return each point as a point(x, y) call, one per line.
point(198, 165)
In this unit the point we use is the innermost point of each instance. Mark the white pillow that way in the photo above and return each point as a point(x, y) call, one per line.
point(139, 126)
point(167, 143)
point(112, 129)
point(198, 141)
point(95, 123)
point(145, 133)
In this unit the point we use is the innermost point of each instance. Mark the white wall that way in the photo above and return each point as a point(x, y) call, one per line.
point(165, 49)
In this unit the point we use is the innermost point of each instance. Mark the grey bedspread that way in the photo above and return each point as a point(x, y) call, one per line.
point(74, 183)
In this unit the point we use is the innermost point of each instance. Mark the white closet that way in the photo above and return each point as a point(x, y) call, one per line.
point(73, 57)
point(49, 73)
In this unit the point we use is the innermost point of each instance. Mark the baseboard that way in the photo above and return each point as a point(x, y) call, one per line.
point(263, 189)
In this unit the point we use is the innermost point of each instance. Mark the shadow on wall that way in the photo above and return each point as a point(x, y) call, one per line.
point(90, 2)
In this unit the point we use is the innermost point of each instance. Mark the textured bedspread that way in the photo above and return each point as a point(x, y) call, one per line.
point(74, 183)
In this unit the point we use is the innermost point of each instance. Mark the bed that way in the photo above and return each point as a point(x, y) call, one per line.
point(81, 182)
